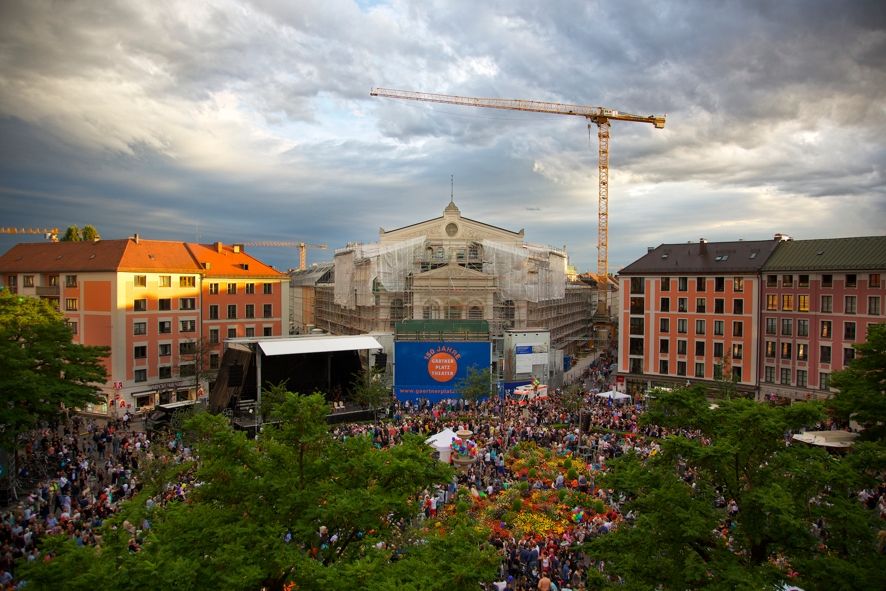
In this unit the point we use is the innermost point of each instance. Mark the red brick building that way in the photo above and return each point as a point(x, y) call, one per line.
point(819, 298)
point(163, 308)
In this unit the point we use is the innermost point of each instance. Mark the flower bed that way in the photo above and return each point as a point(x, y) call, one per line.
point(524, 511)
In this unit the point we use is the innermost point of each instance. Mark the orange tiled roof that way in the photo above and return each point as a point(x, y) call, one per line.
point(52, 257)
point(157, 255)
point(223, 261)
point(133, 255)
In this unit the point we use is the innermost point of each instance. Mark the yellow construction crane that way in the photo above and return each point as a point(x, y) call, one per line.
point(302, 248)
point(599, 115)
point(48, 233)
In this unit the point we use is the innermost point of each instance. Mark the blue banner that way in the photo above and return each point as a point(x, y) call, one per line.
point(523, 349)
point(433, 369)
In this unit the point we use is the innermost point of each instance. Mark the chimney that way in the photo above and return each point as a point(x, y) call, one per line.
point(650, 249)
point(702, 246)
point(238, 248)
point(135, 238)
point(219, 247)
point(782, 237)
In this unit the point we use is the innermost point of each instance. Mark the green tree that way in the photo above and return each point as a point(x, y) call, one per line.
point(72, 234)
point(572, 400)
point(369, 388)
point(476, 385)
point(725, 379)
point(253, 521)
point(42, 372)
point(862, 386)
point(89, 233)
point(681, 539)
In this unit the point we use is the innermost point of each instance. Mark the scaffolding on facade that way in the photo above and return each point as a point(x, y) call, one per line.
point(377, 285)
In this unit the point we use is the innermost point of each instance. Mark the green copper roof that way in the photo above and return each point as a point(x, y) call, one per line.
point(830, 254)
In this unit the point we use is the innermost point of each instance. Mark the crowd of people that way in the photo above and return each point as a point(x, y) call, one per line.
point(74, 475)
point(93, 467)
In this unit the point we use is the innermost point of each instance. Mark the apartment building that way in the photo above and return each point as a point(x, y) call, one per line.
point(819, 299)
point(163, 308)
point(689, 314)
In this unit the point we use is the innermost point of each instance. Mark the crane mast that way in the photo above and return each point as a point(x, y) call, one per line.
point(302, 248)
point(601, 116)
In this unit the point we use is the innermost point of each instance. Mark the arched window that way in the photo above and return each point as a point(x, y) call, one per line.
point(475, 313)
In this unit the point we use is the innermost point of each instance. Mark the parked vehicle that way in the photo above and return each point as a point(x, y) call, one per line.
point(523, 394)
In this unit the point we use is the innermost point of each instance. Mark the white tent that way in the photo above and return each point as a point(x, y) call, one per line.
point(832, 439)
point(442, 442)
point(614, 395)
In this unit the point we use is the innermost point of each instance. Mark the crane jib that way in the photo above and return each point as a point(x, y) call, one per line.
point(599, 115)
point(521, 105)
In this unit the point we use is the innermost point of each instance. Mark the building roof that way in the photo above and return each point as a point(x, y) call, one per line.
point(229, 261)
point(310, 276)
point(451, 210)
point(829, 254)
point(743, 256)
point(155, 256)
point(63, 257)
point(132, 255)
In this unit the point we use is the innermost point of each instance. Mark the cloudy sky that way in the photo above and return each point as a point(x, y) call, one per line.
point(240, 120)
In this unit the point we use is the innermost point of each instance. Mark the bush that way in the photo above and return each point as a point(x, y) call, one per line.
point(572, 474)
point(516, 505)
point(567, 463)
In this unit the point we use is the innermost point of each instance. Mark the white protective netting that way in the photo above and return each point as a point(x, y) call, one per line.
point(525, 272)
point(357, 268)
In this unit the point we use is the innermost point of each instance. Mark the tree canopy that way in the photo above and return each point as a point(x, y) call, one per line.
point(476, 385)
point(41, 369)
point(369, 388)
point(75, 234)
point(297, 506)
point(862, 386)
point(726, 504)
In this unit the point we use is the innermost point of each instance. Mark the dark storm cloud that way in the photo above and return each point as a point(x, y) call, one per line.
point(237, 120)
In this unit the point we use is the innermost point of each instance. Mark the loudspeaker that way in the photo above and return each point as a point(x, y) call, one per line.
point(381, 360)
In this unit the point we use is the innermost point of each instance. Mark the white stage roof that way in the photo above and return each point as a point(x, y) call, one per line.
point(318, 344)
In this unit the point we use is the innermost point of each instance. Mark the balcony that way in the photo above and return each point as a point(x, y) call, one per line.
point(48, 291)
